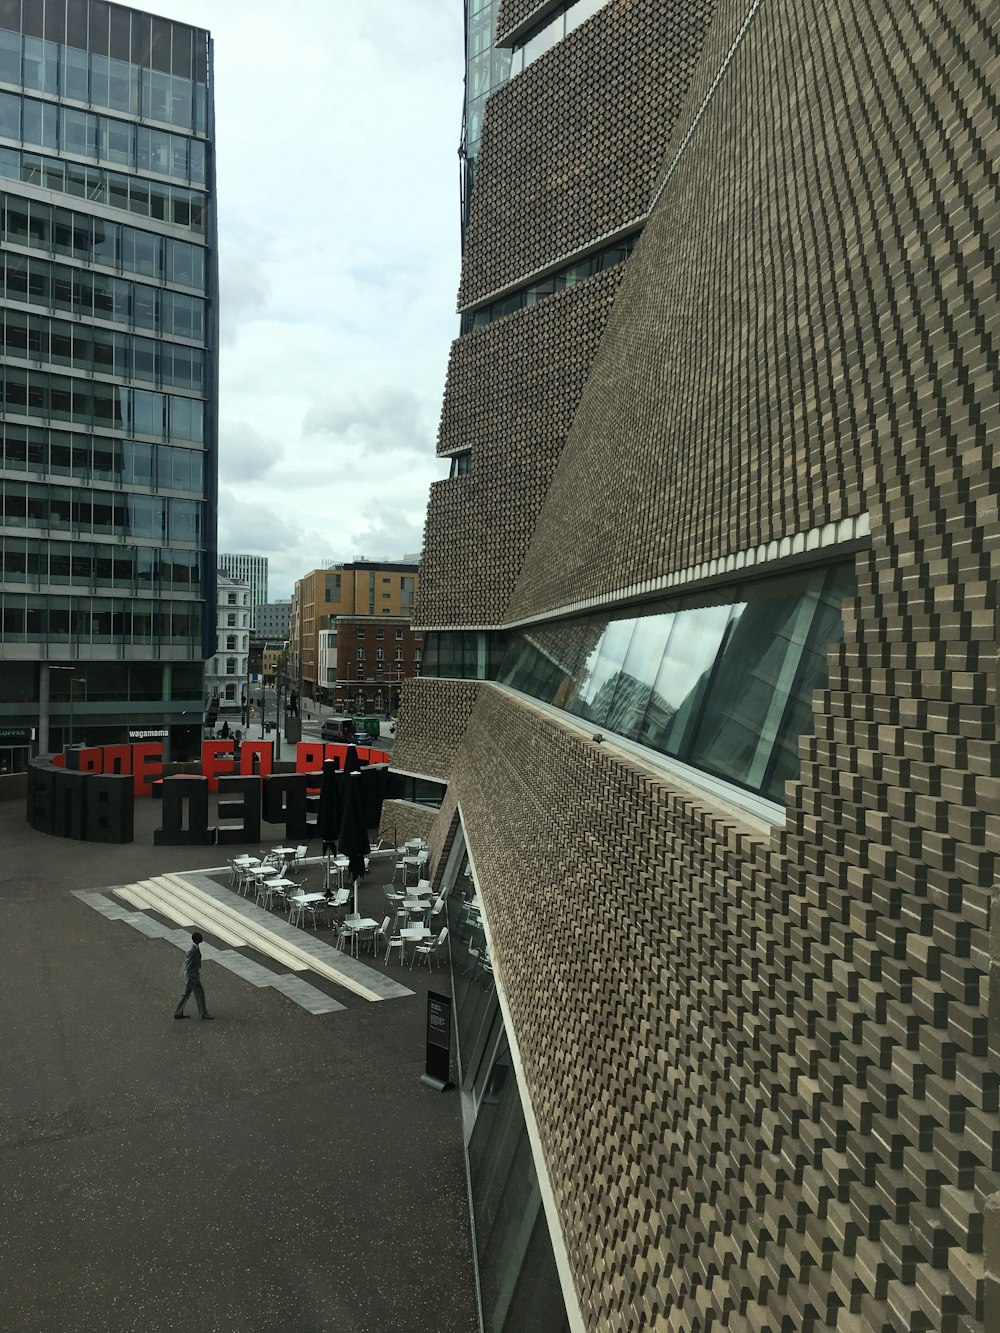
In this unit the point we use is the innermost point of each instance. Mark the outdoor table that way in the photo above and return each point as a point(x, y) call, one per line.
point(284, 851)
point(264, 872)
point(357, 927)
point(414, 844)
point(414, 935)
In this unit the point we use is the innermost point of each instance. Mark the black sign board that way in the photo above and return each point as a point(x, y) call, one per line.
point(438, 1060)
point(16, 735)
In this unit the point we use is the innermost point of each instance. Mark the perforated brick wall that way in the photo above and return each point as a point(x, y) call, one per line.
point(512, 390)
point(766, 1097)
point(766, 1066)
point(432, 718)
point(572, 147)
point(774, 357)
point(403, 819)
point(514, 12)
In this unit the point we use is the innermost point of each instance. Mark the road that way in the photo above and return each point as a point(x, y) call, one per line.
point(312, 719)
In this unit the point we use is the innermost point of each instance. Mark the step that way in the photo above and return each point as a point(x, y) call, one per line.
point(304, 959)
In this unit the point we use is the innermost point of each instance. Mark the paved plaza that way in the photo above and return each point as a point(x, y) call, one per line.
point(279, 1169)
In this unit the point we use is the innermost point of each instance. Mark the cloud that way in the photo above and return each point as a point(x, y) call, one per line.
point(387, 419)
point(244, 454)
point(338, 266)
point(244, 289)
point(251, 527)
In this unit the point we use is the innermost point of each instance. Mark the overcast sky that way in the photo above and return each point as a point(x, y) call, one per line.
point(337, 128)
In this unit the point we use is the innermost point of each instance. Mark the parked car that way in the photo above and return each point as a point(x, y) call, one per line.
point(361, 738)
point(336, 729)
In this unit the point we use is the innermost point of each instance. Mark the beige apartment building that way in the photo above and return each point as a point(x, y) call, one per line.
point(359, 588)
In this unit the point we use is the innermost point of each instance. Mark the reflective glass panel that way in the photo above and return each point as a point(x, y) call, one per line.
point(725, 686)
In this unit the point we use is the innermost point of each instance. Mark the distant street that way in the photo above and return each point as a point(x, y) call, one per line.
point(312, 719)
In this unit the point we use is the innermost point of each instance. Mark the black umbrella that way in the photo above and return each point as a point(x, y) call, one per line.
point(331, 805)
point(353, 841)
point(352, 762)
point(373, 781)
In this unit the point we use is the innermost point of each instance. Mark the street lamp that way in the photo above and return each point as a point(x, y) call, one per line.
point(73, 680)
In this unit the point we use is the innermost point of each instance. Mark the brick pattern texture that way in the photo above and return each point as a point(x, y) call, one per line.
point(513, 12)
point(766, 1067)
point(403, 820)
point(432, 719)
point(711, 429)
point(572, 147)
point(512, 390)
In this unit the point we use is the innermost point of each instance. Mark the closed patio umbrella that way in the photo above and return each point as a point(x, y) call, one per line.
point(352, 761)
point(353, 840)
point(331, 805)
point(373, 788)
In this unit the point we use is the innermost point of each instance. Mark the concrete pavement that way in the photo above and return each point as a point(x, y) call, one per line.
point(275, 1170)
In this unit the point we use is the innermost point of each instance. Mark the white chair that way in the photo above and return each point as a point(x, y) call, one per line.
point(429, 948)
point(366, 935)
point(299, 859)
point(348, 931)
point(296, 908)
point(391, 938)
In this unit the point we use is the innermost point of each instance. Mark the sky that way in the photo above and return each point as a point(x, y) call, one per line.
point(337, 130)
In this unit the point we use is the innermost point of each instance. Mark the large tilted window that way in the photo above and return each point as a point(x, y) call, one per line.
point(724, 685)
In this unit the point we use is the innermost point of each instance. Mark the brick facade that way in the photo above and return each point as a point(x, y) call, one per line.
point(403, 820)
point(513, 388)
point(572, 147)
point(432, 719)
point(763, 1061)
point(514, 12)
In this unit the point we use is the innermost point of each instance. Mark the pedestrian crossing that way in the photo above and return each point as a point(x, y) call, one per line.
point(196, 901)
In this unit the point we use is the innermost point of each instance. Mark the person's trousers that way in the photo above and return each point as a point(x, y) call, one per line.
point(194, 987)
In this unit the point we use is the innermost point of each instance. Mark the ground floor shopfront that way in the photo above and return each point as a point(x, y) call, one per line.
point(46, 706)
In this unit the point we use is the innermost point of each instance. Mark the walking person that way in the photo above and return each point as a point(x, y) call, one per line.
point(191, 972)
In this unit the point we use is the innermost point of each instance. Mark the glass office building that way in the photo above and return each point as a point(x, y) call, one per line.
point(108, 304)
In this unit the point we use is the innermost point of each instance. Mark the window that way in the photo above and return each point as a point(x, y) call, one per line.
point(360, 632)
point(380, 632)
point(461, 464)
point(361, 654)
point(724, 683)
point(380, 654)
point(231, 618)
point(399, 654)
point(231, 642)
point(231, 599)
point(230, 666)
point(399, 632)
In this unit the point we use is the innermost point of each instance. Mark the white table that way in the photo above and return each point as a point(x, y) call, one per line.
point(413, 935)
point(357, 927)
point(284, 851)
point(337, 865)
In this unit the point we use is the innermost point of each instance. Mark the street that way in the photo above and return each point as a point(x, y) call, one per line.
point(312, 716)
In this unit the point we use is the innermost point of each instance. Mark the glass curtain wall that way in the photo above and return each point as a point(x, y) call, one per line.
point(486, 69)
point(518, 1280)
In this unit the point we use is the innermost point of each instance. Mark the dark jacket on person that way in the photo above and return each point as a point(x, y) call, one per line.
point(191, 967)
